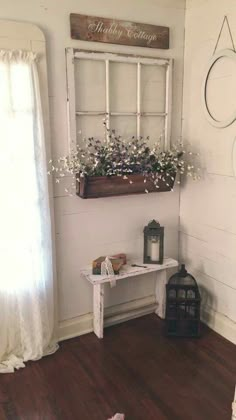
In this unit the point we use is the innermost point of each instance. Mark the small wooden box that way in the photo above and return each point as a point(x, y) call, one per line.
point(116, 264)
point(121, 257)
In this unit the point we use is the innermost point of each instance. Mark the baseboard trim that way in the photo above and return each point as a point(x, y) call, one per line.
point(83, 324)
point(219, 323)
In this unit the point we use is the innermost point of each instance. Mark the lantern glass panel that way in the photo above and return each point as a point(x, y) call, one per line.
point(154, 248)
point(172, 294)
point(181, 294)
point(190, 294)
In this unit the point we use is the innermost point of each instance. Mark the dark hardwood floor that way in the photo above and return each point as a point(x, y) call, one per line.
point(135, 370)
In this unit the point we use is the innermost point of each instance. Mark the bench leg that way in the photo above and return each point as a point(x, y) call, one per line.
point(98, 309)
point(161, 293)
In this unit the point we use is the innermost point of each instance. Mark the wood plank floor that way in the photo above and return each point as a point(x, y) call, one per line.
point(135, 370)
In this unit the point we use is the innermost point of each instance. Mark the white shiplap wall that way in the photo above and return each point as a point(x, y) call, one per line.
point(86, 229)
point(208, 207)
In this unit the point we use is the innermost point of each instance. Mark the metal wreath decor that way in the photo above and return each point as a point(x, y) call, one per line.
point(230, 54)
point(225, 53)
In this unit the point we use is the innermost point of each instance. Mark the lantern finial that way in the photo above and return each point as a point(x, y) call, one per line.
point(153, 224)
point(183, 272)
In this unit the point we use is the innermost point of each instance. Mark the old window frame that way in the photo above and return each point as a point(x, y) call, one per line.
point(72, 54)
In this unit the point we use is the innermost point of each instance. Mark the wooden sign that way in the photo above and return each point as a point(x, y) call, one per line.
point(90, 28)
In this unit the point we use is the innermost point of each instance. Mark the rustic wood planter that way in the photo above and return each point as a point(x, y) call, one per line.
point(104, 186)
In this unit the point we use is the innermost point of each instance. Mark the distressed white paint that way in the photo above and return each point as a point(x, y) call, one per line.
point(129, 271)
point(126, 272)
point(161, 293)
point(208, 207)
point(120, 58)
point(168, 108)
point(98, 309)
point(234, 406)
point(89, 228)
point(107, 63)
point(138, 98)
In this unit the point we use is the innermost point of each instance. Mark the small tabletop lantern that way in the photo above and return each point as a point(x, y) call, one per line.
point(182, 305)
point(153, 243)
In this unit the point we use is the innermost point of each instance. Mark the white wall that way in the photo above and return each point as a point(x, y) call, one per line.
point(86, 229)
point(208, 207)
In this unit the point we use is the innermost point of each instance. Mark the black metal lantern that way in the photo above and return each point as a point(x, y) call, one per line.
point(183, 302)
point(153, 243)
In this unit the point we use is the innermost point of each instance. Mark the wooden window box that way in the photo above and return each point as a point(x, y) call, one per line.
point(104, 186)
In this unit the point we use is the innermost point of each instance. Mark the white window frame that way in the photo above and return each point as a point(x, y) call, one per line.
point(72, 54)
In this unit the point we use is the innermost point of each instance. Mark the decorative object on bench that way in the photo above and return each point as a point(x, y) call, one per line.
point(117, 166)
point(109, 265)
point(122, 257)
point(153, 243)
point(182, 305)
point(118, 416)
point(127, 271)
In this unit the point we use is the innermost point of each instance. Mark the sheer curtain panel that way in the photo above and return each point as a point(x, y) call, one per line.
point(26, 270)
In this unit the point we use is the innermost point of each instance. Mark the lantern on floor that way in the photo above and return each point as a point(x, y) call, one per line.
point(153, 243)
point(182, 305)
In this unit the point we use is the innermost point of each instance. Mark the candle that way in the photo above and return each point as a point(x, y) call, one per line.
point(154, 250)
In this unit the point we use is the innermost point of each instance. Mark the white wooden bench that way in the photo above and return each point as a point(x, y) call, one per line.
point(127, 271)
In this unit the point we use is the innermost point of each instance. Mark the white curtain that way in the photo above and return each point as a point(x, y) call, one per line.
point(26, 269)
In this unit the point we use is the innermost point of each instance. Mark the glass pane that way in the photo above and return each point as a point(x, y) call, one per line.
point(123, 87)
point(153, 86)
point(125, 126)
point(89, 126)
point(90, 85)
point(152, 127)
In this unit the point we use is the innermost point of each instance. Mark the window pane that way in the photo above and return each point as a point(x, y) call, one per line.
point(89, 126)
point(90, 85)
point(125, 126)
point(153, 86)
point(152, 127)
point(123, 87)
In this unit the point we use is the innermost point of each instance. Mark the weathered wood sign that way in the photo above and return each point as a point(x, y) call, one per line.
point(113, 31)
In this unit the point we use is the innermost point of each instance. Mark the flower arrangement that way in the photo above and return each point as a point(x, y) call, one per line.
point(116, 156)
